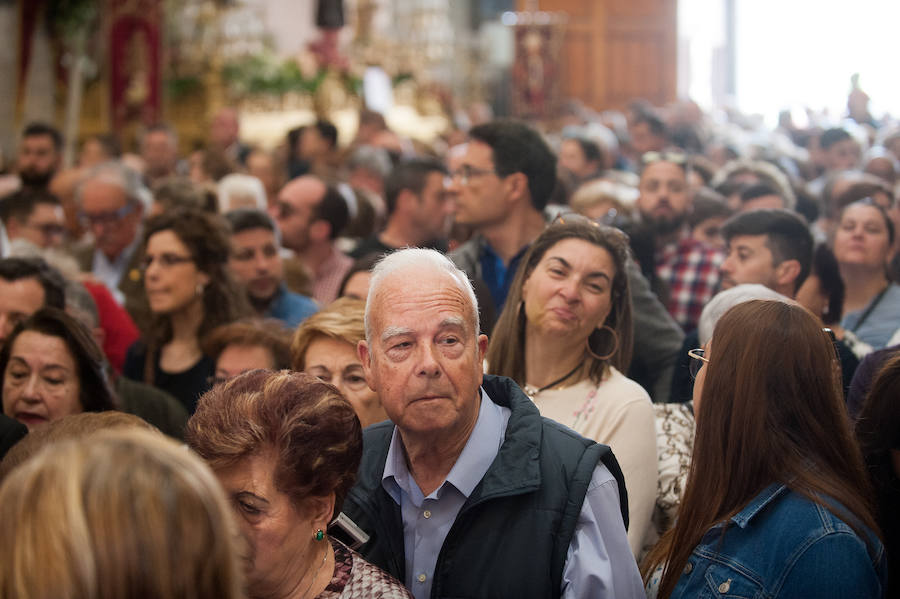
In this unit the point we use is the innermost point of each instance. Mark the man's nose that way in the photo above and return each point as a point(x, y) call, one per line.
point(428, 361)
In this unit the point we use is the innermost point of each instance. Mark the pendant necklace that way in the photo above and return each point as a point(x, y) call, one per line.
point(531, 390)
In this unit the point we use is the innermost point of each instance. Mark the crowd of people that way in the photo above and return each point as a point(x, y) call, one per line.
point(649, 353)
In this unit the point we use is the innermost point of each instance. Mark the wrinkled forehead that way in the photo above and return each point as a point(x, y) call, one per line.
point(410, 293)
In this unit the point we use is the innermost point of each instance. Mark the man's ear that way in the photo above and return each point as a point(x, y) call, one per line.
point(320, 231)
point(516, 186)
point(482, 346)
point(406, 201)
point(13, 228)
point(787, 272)
point(365, 358)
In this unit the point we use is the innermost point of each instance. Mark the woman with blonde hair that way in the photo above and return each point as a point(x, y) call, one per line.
point(565, 336)
point(116, 515)
point(325, 347)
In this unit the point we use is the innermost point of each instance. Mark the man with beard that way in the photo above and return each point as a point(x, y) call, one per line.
point(311, 215)
point(256, 263)
point(689, 269)
point(39, 156)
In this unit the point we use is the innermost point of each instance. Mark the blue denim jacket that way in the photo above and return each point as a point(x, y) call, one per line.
point(783, 545)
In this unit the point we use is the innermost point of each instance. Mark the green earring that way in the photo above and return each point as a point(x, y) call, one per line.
point(320, 535)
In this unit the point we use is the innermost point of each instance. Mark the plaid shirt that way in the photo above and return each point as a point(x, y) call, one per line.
point(690, 270)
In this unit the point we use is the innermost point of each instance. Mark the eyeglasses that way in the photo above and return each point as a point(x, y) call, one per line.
point(49, 229)
point(103, 219)
point(166, 260)
point(699, 359)
point(467, 171)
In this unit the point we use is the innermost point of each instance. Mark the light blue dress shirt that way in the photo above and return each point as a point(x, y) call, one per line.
point(110, 271)
point(599, 562)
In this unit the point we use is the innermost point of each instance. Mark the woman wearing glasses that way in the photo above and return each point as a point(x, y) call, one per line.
point(325, 346)
point(565, 336)
point(777, 503)
point(188, 292)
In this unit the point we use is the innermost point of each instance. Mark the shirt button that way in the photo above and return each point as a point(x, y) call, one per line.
point(427, 513)
point(421, 578)
point(725, 586)
point(688, 568)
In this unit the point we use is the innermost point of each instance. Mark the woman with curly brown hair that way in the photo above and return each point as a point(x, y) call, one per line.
point(286, 447)
point(188, 292)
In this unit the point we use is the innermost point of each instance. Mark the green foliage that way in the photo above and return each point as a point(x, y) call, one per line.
point(265, 74)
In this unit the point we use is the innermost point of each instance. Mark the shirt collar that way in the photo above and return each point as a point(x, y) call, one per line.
point(487, 250)
point(757, 504)
point(472, 464)
point(124, 257)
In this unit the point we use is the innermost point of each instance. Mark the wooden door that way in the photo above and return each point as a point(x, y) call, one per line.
point(617, 50)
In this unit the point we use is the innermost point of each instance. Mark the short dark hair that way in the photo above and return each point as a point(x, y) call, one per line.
point(410, 175)
point(518, 148)
point(758, 190)
point(707, 203)
point(95, 394)
point(787, 236)
point(591, 149)
point(327, 130)
point(109, 143)
point(654, 123)
point(333, 210)
point(833, 136)
point(53, 283)
point(22, 202)
point(245, 219)
point(255, 333)
point(35, 129)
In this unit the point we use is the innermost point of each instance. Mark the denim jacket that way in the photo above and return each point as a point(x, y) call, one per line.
point(783, 545)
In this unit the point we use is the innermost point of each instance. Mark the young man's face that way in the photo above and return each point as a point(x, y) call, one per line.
point(37, 161)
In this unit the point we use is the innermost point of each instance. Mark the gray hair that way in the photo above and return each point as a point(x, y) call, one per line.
point(127, 179)
point(769, 173)
point(417, 259)
point(241, 187)
point(371, 159)
point(728, 299)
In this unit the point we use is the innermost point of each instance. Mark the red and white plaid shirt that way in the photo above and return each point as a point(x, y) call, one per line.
point(690, 270)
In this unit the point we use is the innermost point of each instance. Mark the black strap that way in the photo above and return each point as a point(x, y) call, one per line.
point(871, 308)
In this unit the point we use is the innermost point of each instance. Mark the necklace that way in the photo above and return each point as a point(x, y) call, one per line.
point(531, 390)
point(316, 574)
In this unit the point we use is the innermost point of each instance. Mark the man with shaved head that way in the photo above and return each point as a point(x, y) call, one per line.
point(468, 491)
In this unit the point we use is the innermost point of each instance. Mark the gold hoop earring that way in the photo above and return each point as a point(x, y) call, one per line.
point(615, 344)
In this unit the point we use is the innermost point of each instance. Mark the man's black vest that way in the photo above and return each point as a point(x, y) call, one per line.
point(511, 536)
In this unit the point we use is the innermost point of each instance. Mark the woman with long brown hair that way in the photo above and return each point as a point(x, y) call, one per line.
point(188, 293)
point(777, 503)
point(565, 336)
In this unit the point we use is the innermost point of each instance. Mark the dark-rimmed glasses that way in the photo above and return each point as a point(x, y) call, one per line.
point(165, 260)
point(102, 219)
point(467, 171)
